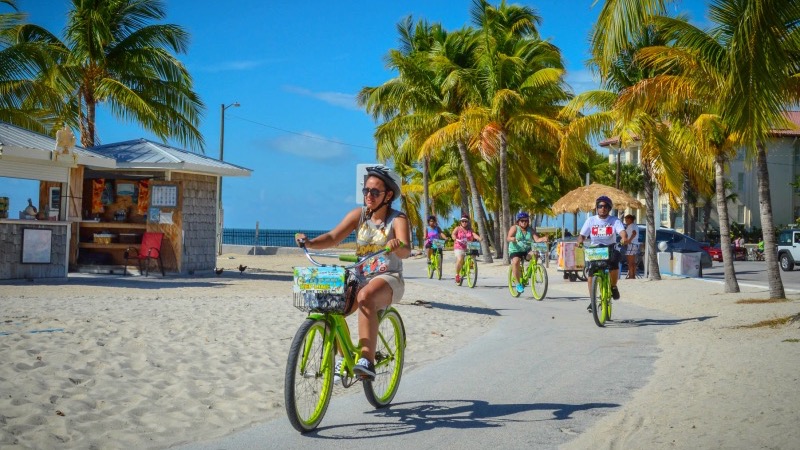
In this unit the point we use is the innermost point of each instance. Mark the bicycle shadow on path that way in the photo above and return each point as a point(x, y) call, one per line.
point(630, 323)
point(455, 308)
point(414, 417)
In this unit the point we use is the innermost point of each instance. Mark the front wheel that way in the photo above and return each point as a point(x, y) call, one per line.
point(539, 282)
point(512, 283)
point(439, 259)
point(389, 356)
point(431, 264)
point(472, 272)
point(308, 383)
point(600, 295)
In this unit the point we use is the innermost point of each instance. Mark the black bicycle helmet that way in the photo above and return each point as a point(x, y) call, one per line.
point(390, 179)
point(604, 199)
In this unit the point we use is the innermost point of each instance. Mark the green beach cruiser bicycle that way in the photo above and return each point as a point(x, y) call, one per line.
point(326, 292)
point(435, 263)
point(597, 267)
point(469, 270)
point(534, 273)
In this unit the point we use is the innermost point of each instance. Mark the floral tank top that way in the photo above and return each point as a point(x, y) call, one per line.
point(371, 237)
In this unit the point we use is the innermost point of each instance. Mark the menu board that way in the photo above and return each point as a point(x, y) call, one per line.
point(164, 195)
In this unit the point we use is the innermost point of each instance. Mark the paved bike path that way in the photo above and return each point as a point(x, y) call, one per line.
point(540, 376)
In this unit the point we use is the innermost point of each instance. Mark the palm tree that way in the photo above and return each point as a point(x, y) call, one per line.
point(25, 101)
point(753, 35)
point(522, 83)
point(111, 55)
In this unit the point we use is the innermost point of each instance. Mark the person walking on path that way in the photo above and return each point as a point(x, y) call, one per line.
point(632, 246)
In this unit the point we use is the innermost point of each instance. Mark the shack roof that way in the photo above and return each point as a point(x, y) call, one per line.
point(149, 155)
point(18, 142)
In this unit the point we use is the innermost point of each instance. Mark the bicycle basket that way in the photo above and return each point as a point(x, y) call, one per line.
point(596, 258)
point(323, 289)
point(596, 254)
point(474, 248)
point(437, 244)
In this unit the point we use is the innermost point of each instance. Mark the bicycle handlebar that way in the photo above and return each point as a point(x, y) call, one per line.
point(343, 257)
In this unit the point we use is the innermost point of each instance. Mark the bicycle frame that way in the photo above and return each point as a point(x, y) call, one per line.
point(600, 290)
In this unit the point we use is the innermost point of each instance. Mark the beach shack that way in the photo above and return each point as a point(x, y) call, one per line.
point(36, 241)
point(153, 188)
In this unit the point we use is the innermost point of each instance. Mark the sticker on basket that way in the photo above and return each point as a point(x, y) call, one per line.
point(319, 279)
point(539, 247)
point(376, 265)
point(437, 243)
point(474, 245)
point(595, 253)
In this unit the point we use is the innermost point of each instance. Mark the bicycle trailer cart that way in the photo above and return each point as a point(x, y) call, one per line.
point(570, 261)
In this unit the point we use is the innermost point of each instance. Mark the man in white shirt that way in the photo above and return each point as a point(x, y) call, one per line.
point(602, 230)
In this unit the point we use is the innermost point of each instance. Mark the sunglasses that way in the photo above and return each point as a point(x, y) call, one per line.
point(372, 192)
point(465, 220)
point(603, 205)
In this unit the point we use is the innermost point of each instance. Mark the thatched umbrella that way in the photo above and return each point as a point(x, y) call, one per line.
point(584, 197)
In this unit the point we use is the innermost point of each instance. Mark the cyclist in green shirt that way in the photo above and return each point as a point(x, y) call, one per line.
point(519, 240)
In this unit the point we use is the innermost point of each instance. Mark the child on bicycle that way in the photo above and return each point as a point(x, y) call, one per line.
point(602, 230)
point(462, 234)
point(519, 240)
point(432, 231)
point(377, 225)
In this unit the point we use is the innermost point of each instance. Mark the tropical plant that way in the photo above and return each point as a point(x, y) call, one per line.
point(113, 54)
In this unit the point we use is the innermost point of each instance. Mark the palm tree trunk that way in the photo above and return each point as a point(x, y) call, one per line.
point(476, 202)
point(768, 225)
point(731, 284)
point(87, 134)
point(464, 190)
point(426, 205)
point(505, 197)
point(687, 224)
point(650, 218)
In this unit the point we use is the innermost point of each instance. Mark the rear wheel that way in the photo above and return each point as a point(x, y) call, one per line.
point(600, 294)
point(787, 263)
point(308, 381)
point(472, 272)
point(389, 357)
point(539, 282)
point(512, 283)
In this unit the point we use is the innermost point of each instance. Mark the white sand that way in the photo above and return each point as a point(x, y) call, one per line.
point(149, 363)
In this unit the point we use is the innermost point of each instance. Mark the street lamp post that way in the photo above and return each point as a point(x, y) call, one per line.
point(220, 223)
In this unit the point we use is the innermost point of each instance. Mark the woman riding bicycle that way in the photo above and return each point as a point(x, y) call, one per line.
point(377, 225)
point(519, 240)
point(432, 231)
point(603, 229)
point(462, 234)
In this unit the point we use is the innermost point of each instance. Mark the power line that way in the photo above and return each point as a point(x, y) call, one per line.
point(302, 134)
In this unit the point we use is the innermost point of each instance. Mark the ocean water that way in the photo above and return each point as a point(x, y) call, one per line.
point(269, 238)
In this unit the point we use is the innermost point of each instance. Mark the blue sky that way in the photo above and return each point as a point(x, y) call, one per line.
point(295, 68)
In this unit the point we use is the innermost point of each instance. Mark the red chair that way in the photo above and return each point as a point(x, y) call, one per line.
point(149, 250)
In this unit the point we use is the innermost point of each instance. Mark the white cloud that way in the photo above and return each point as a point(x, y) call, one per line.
point(582, 80)
point(339, 99)
point(233, 66)
point(310, 145)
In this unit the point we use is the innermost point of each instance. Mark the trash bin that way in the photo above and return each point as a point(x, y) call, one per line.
point(687, 264)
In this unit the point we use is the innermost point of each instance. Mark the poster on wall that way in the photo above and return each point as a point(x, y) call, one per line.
point(164, 195)
point(36, 246)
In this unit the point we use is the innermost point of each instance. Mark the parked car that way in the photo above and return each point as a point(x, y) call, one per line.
point(789, 249)
point(676, 242)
